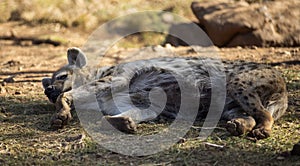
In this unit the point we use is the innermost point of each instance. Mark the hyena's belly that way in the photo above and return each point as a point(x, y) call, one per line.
point(143, 82)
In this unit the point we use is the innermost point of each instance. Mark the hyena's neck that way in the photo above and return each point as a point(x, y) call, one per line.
point(88, 74)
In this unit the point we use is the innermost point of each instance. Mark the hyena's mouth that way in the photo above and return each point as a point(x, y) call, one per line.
point(52, 93)
point(52, 96)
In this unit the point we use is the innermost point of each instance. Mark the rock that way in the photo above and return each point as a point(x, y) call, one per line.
point(296, 149)
point(184, 35)
point(9, 79)
point(231, 23)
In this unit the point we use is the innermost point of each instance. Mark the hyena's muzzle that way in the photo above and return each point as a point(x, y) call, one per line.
point(52, 91)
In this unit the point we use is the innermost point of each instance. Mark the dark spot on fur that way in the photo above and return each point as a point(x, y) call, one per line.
point(242, 68)
point(262, 76)
point(271, 82)
point(244, 82)
point(251, 95)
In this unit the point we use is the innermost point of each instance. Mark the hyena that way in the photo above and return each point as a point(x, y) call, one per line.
point(256, 94)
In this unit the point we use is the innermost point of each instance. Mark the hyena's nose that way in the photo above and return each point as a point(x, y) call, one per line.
point(49, 89)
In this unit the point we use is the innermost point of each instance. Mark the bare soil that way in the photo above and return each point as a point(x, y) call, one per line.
point(25, 113)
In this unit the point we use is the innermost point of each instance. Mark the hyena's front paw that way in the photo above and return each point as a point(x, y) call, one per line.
point(264, 127)
point(63, 106)
point(234, 128)
point(240, 126)
point(60, 119)
point(261, 132)
point(123, 123)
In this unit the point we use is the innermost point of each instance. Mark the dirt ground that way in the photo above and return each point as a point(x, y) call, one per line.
point(25, 112)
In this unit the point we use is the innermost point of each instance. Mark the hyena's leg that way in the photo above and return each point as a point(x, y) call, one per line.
point(63, 106)
point(81, 94)
point(250, 90)
point(252, 105)
point(238, 122)
point(126, 121)
point(131, 115)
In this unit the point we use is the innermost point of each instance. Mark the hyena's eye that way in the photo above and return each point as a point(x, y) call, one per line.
point(62, 77)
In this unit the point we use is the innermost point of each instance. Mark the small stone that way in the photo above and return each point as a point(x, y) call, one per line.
point(287, 53)
point(254, 47)
point(169, 46)
point(280, 158)
point(157, 48)
point(296, 149)
point(9, 79)
point(181, 140)
point(3, 83)
point(168, 17)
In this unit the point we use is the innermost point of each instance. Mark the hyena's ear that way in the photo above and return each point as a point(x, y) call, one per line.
point(46, 82)
point(76, 57)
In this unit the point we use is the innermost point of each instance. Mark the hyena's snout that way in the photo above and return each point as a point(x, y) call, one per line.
point(50, 89)
point(52, 92)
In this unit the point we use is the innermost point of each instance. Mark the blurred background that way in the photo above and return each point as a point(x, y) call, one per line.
point(62, 21)
point(54, 17)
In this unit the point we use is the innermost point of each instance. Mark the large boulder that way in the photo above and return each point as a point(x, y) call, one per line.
point(238, 23)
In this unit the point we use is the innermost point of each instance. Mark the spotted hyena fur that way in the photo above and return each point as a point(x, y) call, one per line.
point(256, 94)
